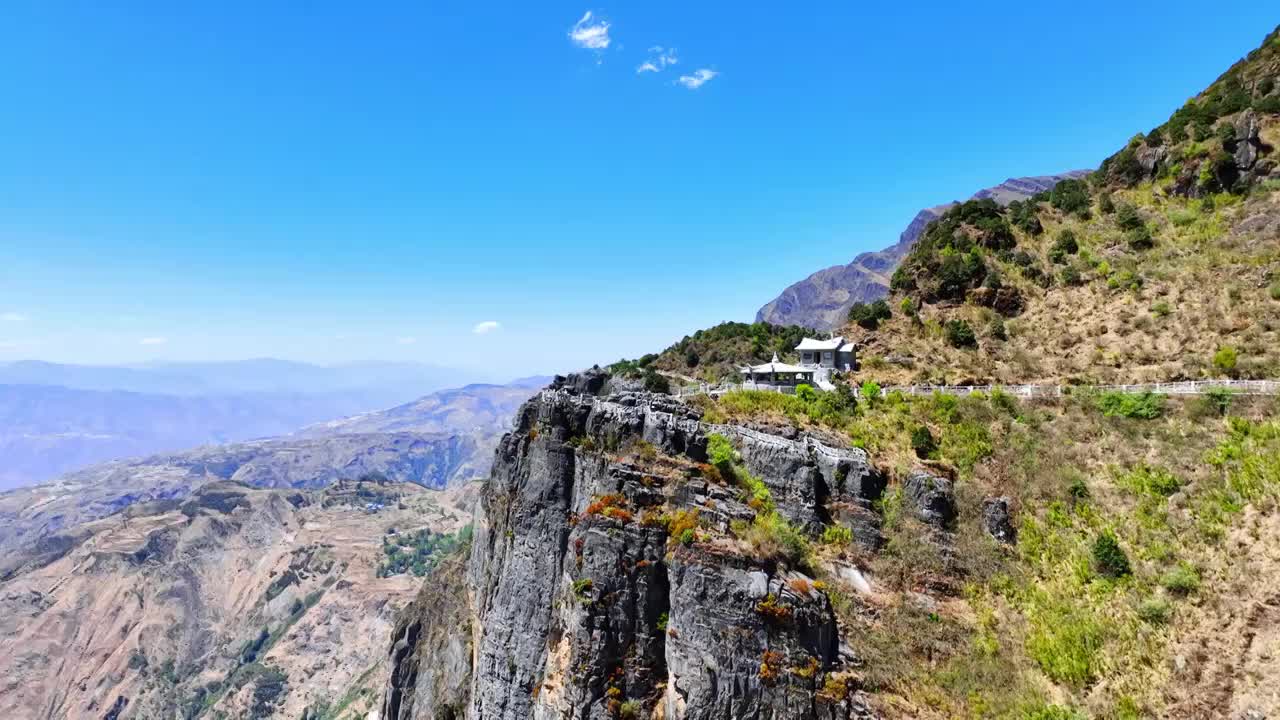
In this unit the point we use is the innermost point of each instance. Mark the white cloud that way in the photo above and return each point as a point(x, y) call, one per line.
point(659, 59)
point(14, 317)
point(486, 327)
point(406, 340)
point(697, 79)
point(153, 341)
point(590, 33)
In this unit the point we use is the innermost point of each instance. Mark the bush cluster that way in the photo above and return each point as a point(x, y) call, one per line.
point(948, 259)
point(960, 334)
point(1143, 406)
point(1065, 244)
point(869, 315)
point(1109, 559)
point(1070, 196)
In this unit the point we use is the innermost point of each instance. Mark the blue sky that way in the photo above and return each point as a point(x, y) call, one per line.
point(334, 182)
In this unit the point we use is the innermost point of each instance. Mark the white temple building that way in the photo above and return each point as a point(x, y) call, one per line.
point(818, 359)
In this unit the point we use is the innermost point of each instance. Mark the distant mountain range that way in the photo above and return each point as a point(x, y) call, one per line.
point(822, 300)
point(55, 418)
point(436, 441)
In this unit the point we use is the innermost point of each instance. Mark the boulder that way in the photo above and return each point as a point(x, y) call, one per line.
point(997, 520)
point(931, 498)
point(1150, 158)
point(1007, 300)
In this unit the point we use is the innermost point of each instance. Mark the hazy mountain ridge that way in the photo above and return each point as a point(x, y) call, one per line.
point(48, 430)
point(55, 418)
point(822, 300)
point(481, 407)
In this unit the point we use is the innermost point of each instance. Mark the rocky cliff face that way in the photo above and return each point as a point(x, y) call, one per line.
point(822, 300)
point(603, 581)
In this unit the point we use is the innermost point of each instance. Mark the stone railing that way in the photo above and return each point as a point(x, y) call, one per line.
point(1187, 387)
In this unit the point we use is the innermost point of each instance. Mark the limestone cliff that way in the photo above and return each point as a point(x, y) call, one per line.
point(586, 597)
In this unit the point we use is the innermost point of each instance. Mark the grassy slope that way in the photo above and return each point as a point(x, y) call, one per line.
point(1159, 314)
point(1114, 310)
point(963, 627)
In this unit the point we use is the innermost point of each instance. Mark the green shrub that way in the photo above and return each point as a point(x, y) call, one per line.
point(1024, 215)
point(773, 539)
point(1140, 238)
point(869, 315)
point(1127, 217)
point(908, 306)
point(870, 391)
point(1049, 712)
point(1109, 559)
point(806, 392)
point(1219, 399)
point(1225, 359)
point(1155, 611)
point(1143, 406)
point(1070, 196)
point(1274, 291)
point(965, 444)
point(722, 454)
point(997, 329)
point(1161, 309)
point(1182, 217)
point(656, 382)
point(837, 535)
point(960, 334)
point(1064, 245)
point(923, 442)
point(1071, 276)
point(1183, 579)
point(1226, 135)
point(1149, 480)
point(1106, 204)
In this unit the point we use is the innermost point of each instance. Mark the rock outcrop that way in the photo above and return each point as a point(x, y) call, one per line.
point(822, 300)
point(582, 600)
point(998, 520)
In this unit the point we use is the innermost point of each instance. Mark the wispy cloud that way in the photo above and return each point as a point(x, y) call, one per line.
point(590, 33)
point(153, 341)
point(697, 79)
point(659, 59)
point(486, 327)
point(406, 340)
point(12, 316)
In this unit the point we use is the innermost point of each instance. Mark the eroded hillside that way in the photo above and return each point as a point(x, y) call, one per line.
point(233, 603)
